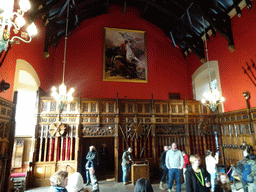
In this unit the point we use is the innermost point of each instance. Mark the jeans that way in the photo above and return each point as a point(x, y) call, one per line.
point(87, 167)
point(245, 185)
point(165, 173)
point(184, 176)
point(125, 169)
point(213, 177)
point(174, 173)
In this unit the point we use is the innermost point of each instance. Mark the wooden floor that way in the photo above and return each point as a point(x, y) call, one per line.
point(107, 186)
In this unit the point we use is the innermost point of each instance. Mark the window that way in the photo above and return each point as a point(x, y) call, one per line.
point(214, 84)
point(26, 83)
point(25, 110)
point(201, 79)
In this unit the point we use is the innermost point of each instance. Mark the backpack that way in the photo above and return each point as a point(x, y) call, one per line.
point(239, 168)
point(247, 177)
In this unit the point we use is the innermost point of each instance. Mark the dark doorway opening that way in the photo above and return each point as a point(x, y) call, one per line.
point(106, 168)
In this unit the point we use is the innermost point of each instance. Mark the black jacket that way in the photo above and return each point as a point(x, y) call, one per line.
point(193, 184)
point(163, 157)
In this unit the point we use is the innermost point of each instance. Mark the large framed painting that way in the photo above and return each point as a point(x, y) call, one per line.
point(124, 55)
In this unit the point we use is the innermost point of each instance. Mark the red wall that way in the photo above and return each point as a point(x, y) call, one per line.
point(167, 70)
point(233, 80)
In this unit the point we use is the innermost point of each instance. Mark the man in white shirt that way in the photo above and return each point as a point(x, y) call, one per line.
point(174, 163)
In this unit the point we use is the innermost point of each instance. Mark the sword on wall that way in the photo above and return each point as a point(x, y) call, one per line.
point(216, 140)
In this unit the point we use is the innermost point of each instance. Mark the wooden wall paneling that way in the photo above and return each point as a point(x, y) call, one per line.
point(56, 148)
point(7, 117)
point(50, 149)
point(61, 148)
point(76, 140)
point(178, 112)
point(17, 153)
point(135, 147)
point(66, 148)
point(41, 142)
point(45, 147)
point(117, 140)
point(71, 142)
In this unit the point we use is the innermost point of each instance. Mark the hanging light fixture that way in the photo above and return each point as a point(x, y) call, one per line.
point(212, 98)
point(14, 21)
point(63, 96)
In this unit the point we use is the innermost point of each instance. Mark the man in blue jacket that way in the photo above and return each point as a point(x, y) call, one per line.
point(174, 163)
point(126, 164)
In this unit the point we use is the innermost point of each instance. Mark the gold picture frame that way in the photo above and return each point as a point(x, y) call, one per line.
point(124, 55)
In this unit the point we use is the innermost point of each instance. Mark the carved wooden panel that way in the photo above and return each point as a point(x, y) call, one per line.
point(18, 153)
point(89, 107)
point(98, 131)
point(6, 142)
point(170, 129)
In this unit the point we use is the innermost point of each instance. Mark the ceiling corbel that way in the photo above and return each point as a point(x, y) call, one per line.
point(222, 24)
point(196, 47)
point(41, 8)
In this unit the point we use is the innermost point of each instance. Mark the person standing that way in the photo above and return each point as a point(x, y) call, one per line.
point(174, 163)
point(249, 173)
point(104, 158)
point(197, 178)
point(211, 163)
point(90, 166)
point(126, 164)
point(163, 167)
point(186, 164)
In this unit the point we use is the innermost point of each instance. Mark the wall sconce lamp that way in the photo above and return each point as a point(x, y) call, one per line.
point(4, 86)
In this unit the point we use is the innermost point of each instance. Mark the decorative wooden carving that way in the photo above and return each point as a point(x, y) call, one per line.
point(205, 127)
point(18, 153)
point(98, 131)
point(170, 129)
point(57, 129)
point(169, 121)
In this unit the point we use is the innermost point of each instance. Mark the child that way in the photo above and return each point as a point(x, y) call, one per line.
point(222, 184)
point(59, 181)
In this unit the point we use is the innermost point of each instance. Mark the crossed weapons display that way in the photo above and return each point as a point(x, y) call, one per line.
point(249, 69)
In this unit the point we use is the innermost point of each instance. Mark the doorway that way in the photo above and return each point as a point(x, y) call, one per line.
point(106, 167)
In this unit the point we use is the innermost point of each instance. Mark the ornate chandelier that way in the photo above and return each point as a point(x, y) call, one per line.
point(212, 98)
point(10, 20)
point(63, 96)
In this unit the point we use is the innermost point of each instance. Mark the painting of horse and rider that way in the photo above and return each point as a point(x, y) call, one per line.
point(124, 55)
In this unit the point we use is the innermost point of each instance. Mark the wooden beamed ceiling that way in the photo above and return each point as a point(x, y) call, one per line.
point(183, 21)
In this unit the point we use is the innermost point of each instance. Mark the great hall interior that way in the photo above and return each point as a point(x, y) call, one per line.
point(145, 98)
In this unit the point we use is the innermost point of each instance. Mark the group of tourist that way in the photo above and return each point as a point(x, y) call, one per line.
point(60, 181)
point(196, 177)
point(173, 161)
